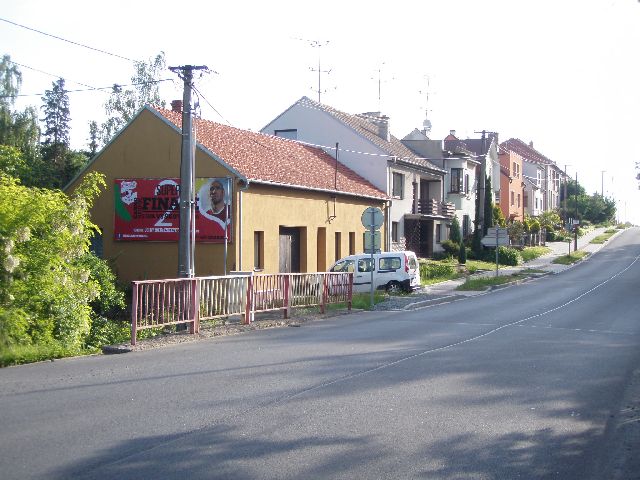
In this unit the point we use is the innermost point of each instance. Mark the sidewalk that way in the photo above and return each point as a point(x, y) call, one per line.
point(447, 290)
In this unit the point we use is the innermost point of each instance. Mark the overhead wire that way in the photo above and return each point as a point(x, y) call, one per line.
point(68, 41)
point(92, 88)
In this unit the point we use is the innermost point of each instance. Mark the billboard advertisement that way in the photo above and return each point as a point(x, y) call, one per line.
point(148, 209)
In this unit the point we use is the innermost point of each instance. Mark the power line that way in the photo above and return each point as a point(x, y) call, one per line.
point(68, 41)
point(200, 95)
point(52, 74)
point(91, 89)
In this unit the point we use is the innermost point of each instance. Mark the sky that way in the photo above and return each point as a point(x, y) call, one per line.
point(564, 75)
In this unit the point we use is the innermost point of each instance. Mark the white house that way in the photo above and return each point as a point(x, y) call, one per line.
point(364, 143)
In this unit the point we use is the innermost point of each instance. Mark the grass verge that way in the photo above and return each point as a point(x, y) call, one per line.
point(603, 237)
point(571, 258)
point(483, 283)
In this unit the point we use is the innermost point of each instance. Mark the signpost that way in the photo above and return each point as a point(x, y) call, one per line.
point(372, 219)
point(496, 237)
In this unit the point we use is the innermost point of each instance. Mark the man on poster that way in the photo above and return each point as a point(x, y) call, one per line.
point(213, 205)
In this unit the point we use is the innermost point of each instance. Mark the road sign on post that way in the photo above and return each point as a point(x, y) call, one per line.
point(372, 219)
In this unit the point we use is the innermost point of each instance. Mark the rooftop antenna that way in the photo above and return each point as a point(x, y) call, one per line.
point(426, 124)
point(380, 85)
point(318, 44)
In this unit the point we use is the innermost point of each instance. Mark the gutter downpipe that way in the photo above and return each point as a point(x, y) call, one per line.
point(240, 224)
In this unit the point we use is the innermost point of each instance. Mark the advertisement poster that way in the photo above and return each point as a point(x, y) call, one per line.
point(148, 209)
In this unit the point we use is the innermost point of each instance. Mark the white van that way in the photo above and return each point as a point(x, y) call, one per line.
point(392, 271)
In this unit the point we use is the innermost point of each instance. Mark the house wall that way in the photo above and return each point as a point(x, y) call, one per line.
point(465, 204)
point(511, 188)
point(150, 148)
point(320, 128)
point(267, 208)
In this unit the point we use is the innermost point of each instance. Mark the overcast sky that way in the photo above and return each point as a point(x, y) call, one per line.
point(562, 74)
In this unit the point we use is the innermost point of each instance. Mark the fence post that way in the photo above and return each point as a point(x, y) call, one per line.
point(323, 301)
point(134, 313)
point(196, 301)
point(349, 290)
point(286, 300)
point(249, 304)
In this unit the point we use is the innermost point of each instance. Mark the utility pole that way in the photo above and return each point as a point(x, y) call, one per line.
point(566, 182)
point(575, 225)
point(602, 172)
point(186, 240)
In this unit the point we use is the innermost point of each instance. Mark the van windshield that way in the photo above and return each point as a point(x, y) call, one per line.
point(343, 266)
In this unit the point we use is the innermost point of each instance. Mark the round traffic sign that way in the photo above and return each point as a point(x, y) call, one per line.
point(372, 217)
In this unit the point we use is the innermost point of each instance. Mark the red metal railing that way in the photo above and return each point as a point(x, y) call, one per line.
point(157, 303)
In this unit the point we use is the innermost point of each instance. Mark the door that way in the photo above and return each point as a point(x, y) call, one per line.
point(289, 250)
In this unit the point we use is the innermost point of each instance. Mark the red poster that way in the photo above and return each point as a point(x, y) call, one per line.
point(147, 209)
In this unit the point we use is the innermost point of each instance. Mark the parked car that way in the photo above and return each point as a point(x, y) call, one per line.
point(392, 271)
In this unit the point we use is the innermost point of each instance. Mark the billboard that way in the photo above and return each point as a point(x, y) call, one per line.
point(148, 209)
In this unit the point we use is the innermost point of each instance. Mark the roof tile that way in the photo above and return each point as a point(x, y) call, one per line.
point(270, 159)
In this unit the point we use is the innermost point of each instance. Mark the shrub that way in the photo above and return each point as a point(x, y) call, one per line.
point(429, 270)
point(506, 256)
point(451, 248)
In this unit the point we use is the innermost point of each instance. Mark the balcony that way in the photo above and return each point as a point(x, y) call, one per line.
point(433, 208)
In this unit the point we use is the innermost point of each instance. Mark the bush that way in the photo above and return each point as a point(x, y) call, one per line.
point(429, 270)
point(506, 256)
point(451, 248)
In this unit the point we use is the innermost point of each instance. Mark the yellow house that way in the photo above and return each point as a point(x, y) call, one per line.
point(287, 207)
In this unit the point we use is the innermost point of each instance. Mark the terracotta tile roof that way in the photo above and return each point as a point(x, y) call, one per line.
point(268, 159)
point(365, 125)
point(526, 152)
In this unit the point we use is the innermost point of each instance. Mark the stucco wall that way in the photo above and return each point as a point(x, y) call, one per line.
point(150, 148)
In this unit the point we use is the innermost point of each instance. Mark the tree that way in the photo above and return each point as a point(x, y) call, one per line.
point(123, 104)
point(56, 124)
point(94, 138)
point(498, 217)
point(46, 289)
point(17, 129)
point(455, 235)
point(488, 205)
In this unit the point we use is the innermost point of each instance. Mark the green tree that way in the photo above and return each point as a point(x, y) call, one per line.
point(488, 205)
point(498, 217)
point(455, 234)
point(124, 103)
point(55, 143)
point(45, 288)
point(94, 138)
point(17, 129)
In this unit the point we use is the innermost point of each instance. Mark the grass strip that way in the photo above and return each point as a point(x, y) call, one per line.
point(571, 258)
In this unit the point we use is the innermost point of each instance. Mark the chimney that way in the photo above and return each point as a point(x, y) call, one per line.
point(383, 128)
point(176, 106)
point(531, 144)
point(452, 133)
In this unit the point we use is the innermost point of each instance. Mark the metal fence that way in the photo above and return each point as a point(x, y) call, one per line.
point(159, 303)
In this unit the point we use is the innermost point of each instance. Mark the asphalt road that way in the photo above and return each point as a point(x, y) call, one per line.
point(525, 382)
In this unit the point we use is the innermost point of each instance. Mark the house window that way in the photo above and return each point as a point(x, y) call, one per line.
point(439, 233)
point(97, 245)
point(526, 200)
point(466, 226)
point(518, 200)
point(394, 232)
point(258, 250)
point(466, 183)
point(338, 245)
point(352, 243)
point(397, 188)
point(513, 198)
point(457, 185)
point(290, 133)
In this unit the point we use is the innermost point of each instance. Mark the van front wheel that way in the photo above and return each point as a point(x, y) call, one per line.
point(394, 287)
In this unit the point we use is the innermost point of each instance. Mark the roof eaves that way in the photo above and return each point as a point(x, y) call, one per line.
point(324, 190)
